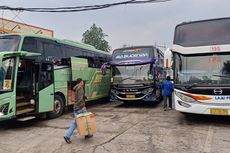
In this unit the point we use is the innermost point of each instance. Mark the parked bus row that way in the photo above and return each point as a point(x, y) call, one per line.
point(37, 73)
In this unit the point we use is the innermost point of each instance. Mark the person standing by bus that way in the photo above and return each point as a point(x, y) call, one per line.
point(79, 107)
point(168, 88)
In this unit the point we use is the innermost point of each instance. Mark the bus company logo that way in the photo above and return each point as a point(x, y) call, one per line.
point(133, 55)
point(222, 97)
point(217, 91)
point(130, 90)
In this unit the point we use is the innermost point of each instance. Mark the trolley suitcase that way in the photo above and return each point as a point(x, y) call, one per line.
point(86, 124)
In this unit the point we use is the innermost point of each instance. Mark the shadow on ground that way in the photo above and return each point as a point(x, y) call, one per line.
point(199, 119)
point(139, 104)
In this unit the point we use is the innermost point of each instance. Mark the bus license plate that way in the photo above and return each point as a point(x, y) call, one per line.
point(130, 96)
point(215, 111)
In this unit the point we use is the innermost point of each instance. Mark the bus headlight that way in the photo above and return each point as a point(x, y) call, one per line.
point(185, 97)
point(147, 91)
point(184, 104)
point(4, 109)
point(111, 80)
point(115, 92)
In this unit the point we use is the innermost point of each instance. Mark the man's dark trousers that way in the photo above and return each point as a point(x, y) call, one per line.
point(168, 98)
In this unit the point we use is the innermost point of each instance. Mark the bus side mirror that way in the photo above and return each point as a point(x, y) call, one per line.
point(103, 69)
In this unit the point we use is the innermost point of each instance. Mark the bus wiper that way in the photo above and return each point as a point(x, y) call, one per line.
point(126, 78)
point(189, 86)
point(222, 76)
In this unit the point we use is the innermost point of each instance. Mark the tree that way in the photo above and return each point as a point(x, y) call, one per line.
point(95, 37)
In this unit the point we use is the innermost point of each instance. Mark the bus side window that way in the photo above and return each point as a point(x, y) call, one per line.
point(46, 76)
point(90, 62)
point(52, 51)
point(97, 61)
point(30, 44)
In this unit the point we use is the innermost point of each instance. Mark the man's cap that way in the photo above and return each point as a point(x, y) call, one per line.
point(78, 80)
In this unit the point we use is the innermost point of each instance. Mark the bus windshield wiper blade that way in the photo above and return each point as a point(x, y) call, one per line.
point(189, 86)
point(222, 76)
point(126, 78)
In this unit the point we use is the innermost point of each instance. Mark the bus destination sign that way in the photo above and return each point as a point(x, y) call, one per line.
point(131, 53)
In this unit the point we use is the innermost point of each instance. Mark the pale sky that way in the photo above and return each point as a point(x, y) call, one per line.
point(145, 24)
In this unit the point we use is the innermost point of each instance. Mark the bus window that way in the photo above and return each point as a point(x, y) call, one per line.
point(30, 44)
point(6, 74)
point(52, 51)
point(46, 76)
point(90, 62)
point(9, 43)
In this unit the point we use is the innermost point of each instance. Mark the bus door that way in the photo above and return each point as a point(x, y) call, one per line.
point(79, 68)
point(25, 87)
point(34, 87)
point(44, 80)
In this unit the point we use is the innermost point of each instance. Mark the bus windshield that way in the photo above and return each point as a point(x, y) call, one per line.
point(212, 69)
point(9, 43)
point(6, 74)
point(133, 74)
point(203, 33)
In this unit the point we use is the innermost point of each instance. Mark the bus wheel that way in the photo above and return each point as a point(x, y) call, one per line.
point(58, 107)
point(159, 95)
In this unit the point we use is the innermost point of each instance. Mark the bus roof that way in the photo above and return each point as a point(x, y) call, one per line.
point(205, 20)
point(131, 47)
point(144, 46)
point(202, 36)
point(64, 41)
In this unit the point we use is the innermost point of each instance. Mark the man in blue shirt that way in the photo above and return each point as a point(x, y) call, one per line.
point(168, 88)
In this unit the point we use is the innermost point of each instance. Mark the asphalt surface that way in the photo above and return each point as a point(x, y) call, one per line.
point(133, 128)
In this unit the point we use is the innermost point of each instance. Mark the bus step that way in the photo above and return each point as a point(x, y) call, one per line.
point(27, 110)
point(26, 118)
point(20, 97)
point(23, 104)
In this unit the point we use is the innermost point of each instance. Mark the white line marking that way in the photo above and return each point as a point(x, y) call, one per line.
point(208, 141)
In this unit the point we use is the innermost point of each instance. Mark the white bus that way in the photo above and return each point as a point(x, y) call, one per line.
point(201, 65)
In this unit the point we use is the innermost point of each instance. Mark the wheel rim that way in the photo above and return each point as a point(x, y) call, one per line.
point(158, 93)
point(57, 106)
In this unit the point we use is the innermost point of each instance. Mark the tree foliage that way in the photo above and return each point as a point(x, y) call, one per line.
point(96, 37)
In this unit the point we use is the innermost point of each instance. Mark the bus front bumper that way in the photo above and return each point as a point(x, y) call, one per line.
point(146, 98)
point(6, 118)
point(201, 108)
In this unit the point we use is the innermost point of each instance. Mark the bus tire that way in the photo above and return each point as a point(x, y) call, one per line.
point(58, 107)
point(159, 96)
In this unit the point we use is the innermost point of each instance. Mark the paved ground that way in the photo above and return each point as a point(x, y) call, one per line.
point(122, 129)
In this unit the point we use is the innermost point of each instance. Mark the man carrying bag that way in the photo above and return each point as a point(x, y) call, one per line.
point(79, 108)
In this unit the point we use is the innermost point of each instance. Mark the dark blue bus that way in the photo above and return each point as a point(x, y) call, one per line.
point(136, 74)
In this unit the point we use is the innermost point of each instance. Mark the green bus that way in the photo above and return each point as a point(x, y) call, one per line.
point(37, 75)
